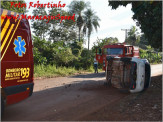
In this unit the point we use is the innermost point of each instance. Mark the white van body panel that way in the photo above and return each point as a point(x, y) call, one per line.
point(140, 75)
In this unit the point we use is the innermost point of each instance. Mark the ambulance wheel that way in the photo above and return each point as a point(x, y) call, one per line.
point(2, 107)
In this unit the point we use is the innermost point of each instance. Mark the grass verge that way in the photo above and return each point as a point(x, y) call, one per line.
point(49, 71)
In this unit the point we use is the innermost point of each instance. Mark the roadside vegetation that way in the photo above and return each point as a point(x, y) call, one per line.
point(61, 53)
point(153, 56)
point(48, 71)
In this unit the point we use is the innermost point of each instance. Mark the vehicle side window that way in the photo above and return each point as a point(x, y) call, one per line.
point(128, 50)
point(125, 50)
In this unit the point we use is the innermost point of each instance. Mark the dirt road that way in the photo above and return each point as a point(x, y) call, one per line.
point(81, 97)
point(156, 69)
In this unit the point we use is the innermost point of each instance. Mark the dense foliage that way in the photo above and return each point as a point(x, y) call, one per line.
point(61, 54)
point(148, 15)
point(151, 55)
point(57, 43)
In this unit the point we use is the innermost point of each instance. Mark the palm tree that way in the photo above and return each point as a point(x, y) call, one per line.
point(77, 7)
point(79, 23)
point(91, 21)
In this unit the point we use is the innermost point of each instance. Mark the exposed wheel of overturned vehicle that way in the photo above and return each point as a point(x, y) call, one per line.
point(147, 75)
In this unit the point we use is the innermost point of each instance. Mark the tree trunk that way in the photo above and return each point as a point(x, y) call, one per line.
point(88, 42)
point(43, 36)
point(79, 34)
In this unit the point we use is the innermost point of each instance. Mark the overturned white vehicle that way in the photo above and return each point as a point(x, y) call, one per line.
point(128, 73)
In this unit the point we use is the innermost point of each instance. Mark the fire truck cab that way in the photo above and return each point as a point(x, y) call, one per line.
point(115, 50)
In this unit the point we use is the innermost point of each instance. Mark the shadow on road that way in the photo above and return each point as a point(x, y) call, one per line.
point(93, 75)
point(68, 102)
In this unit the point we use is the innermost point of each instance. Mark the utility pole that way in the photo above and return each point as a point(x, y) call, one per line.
point(126, 30)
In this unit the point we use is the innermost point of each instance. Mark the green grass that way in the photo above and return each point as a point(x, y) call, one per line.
point(51, 71)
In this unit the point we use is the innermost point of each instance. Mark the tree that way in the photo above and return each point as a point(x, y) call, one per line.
point(76, 48)
point(77, 7)
point(40, 26)
point(143, 42)
point(7, 4)
point(91, 21)
point(46, 52)
point(149, 17)
point(133, 37)
point(101, 42)
point(61, 31)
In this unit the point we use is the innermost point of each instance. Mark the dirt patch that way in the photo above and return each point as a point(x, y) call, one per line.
point(144, 106)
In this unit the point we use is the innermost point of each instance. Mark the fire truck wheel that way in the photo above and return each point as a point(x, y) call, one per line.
point(2, 107)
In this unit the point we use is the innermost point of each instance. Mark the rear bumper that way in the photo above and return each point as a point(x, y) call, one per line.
point(18, 93)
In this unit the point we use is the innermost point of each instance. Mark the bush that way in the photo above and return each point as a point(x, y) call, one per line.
point(151, 55)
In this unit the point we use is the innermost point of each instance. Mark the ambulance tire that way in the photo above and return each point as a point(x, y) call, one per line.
point(2, 107)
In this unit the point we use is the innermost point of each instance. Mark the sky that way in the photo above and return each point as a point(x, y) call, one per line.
point(112, 21)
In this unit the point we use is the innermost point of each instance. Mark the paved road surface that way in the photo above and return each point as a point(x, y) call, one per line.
point(156, 69)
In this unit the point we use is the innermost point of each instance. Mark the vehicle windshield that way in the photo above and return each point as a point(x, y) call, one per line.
point(114, 51)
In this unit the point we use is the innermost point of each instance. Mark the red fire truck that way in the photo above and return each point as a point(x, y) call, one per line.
point(16, 59)
point(118, 49)
point(124, 69)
